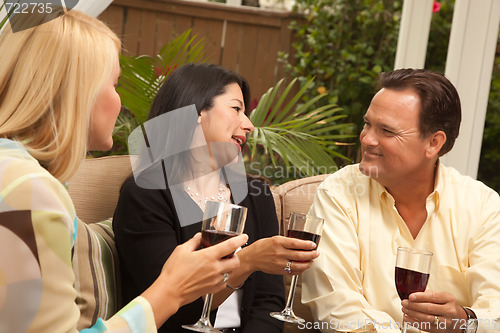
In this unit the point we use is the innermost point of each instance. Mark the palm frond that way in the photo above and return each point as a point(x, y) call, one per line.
point(3, 19)
point(299, 134)
point(7, 14)
point(143, 76)
point(287, 130)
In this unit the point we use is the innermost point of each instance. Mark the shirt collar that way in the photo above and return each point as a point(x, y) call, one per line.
point(438, 184)
point(383, 194)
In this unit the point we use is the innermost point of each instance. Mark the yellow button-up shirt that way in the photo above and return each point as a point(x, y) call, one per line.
point(351, 285)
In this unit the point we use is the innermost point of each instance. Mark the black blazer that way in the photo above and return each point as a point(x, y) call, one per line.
point(147, 230)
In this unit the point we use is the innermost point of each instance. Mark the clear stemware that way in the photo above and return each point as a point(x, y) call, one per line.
point(221, 221)
point(412, 273)
point(304, 227)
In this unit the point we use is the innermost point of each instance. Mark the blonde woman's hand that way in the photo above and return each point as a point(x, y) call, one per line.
point(189, 274)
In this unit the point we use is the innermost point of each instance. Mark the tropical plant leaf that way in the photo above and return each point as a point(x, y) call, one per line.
point(287, 130)
point(5, 18)
point(297, 134)
point(143, 76)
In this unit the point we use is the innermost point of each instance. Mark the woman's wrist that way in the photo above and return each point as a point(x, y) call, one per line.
point(249, 262)
point(235, 288)
point(165, 300)
point(247, 267)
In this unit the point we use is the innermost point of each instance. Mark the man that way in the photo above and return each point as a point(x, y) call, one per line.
point(401, 196)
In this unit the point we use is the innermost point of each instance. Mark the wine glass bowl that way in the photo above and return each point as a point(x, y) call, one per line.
point(412, 272)
point(221, 221)
point(305, 227)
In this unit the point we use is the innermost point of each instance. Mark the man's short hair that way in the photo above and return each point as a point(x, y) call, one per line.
point(439, 100)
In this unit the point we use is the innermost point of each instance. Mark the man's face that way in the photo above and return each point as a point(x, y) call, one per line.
point(392, 147)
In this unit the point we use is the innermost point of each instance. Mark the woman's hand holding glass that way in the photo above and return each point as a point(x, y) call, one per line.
point(270, 255)
point(221, 221)
point(306, 227)
point(190, 273)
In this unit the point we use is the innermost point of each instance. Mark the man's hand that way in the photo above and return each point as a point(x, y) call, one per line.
point(434, 312)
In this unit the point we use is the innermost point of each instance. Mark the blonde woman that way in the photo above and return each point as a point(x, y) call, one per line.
point(58, 101)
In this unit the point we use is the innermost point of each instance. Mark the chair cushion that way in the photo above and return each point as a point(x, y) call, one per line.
point(95, 187)
point(277, 205)
point(95, 264)
point(297, 196)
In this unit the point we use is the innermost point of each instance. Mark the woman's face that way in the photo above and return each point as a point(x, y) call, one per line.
point(103, 116)
point(226, 121)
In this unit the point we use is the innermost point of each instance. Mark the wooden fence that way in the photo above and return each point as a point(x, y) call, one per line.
point(244, 39)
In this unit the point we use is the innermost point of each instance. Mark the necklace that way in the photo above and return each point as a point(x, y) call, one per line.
point(222, 195)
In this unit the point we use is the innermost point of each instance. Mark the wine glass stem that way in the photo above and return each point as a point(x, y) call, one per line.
point(206, 309)
point(403, 325)
point(291, 293)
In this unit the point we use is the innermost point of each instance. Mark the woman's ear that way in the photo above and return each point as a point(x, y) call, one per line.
point(436, 142)
point(203, 114)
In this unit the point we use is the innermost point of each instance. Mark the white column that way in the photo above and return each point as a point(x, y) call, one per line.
point(413, 34)
point(92, 7)
point(469, 66)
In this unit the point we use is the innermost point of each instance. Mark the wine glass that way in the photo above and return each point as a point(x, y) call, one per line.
point(306, 227)
point(221, 221)
point(412, 273)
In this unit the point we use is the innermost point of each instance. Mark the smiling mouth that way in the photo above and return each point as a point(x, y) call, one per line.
point(240, 142)
point(372, 153)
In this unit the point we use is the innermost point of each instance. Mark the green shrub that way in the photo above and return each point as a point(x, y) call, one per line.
point(489, 162)
point(345, 44)
point(437, 49)
point(289, 134)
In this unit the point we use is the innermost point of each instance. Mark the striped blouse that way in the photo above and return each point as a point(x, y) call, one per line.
point(37, 233)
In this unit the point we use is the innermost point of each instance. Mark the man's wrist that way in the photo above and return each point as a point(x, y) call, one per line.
point(471, 326)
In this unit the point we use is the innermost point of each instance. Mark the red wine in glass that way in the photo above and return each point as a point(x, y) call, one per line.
point(412, 273)
point(212, 237)
point(304, 235)
point(221, 221)
point(305, 227)
point(408, 282)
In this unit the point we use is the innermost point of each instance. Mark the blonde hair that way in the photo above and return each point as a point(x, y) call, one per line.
point(50, 77)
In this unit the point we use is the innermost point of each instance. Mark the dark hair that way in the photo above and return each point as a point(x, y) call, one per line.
point(196, 84)
point(439, 100)
point(190, 84)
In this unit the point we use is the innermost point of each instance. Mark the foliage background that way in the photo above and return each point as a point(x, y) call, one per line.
point(347, 43)
point(289, 136)
point(489, 162)
point(344, 45)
